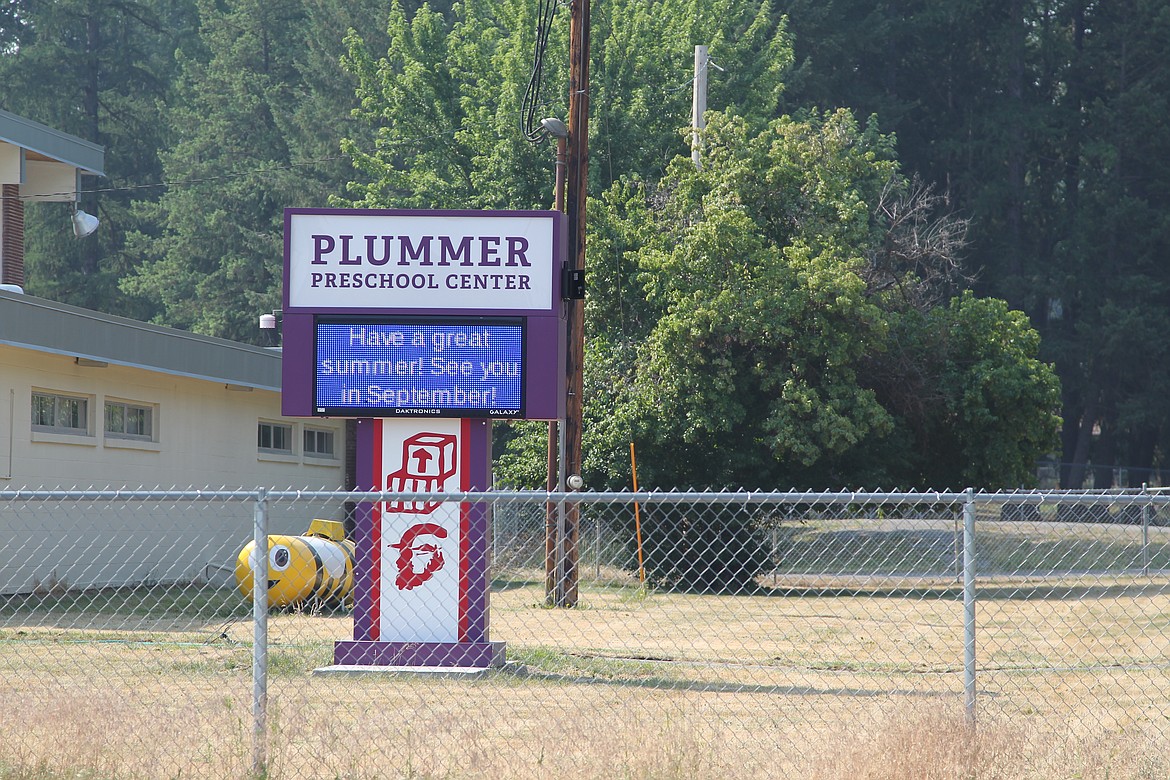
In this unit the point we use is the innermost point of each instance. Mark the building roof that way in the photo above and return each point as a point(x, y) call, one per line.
point(51, 144)
point(47, 326)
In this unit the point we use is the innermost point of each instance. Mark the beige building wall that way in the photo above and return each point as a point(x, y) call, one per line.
point(204, 435)
point(204, 432)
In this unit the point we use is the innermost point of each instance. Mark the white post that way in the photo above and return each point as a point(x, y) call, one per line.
point(969, 607)
point(260, 636)
point(699, 103)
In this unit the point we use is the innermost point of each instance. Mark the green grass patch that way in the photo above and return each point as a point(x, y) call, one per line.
point(155, 601)
point(582, 666)
point(934, 548)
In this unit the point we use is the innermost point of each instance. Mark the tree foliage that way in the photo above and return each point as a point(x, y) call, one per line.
point(789, 314)
point(101, 70)
point(445, 98)
point(749, 270)
point(445, 104)
point(734, 309)
point(256, 108)
point(1042, 122)
point(973, 403)
point(783, 307)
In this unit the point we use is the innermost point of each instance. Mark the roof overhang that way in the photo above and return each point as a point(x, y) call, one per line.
point(46, 163)
point(92, 338)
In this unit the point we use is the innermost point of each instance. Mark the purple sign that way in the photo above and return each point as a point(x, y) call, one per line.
point(461, 313)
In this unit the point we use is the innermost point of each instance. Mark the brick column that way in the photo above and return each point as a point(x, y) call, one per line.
point(11, 236)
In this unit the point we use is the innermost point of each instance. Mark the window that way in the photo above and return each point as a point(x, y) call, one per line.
point(318, 443)
point(52, 413)
point(274, 437)
point(129, 420)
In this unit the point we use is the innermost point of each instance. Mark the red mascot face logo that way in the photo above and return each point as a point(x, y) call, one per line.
point(419, 559)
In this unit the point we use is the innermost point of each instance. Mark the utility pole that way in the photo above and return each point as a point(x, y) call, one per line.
point(699, 104)
point(577, 174)
point(553, 513)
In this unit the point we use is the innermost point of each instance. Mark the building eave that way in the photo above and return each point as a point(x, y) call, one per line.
point(52, 144)
point(47, 326)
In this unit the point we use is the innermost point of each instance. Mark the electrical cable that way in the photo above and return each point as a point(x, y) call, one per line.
point(530, 104)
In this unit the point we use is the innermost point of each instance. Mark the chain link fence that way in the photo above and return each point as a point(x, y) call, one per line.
point(710, 635)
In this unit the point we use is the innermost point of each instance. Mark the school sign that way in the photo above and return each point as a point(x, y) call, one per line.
point(424, 313)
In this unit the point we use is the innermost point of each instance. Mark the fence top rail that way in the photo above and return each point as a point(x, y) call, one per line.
point(1033, 497)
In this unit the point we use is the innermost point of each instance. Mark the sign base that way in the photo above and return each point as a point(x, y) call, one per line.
point(478, 655)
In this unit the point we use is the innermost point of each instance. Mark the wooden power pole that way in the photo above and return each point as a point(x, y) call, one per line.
point(577, 178)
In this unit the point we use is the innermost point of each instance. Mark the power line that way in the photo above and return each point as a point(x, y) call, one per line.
point(690, 82)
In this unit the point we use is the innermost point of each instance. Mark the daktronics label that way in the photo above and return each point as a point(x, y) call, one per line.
point(454, 368)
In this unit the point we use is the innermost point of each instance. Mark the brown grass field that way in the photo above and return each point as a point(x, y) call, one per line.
point(815, 684)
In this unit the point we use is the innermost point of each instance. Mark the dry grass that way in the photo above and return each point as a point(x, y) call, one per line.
point(461, 730)
point(633, 685)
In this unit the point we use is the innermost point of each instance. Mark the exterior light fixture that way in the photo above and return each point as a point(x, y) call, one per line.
point(83, 224)
point(555, 127)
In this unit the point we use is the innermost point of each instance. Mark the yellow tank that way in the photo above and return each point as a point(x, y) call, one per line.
point(315, 567)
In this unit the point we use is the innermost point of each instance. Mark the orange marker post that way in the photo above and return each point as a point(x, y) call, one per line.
point(637, 516)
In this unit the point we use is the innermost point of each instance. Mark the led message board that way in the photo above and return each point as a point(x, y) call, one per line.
point(449, 367)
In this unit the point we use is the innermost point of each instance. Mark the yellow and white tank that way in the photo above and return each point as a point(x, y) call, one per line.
point(315, 567)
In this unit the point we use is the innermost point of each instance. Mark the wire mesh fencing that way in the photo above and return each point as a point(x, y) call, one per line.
point(644, 635)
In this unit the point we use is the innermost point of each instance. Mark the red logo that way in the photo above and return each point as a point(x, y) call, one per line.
point(418, 559)
point(428, 461)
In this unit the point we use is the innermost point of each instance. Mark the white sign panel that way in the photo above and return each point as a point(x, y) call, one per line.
point(420, 541)
point(459, 260)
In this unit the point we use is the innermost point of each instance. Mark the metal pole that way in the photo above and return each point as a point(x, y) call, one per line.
point(597, 548)
point(1145, 535)
point(559, 186)
point(260, 636)
point(561, 598)
point(957, 552)
point(969, 607)
point(561, 568)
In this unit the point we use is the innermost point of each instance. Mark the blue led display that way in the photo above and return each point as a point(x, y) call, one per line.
point(440, 368)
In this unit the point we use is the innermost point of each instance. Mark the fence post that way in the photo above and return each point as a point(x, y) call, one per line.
point(260, 635)
point(1146, 511)
point(969, 607)
point(597, 547)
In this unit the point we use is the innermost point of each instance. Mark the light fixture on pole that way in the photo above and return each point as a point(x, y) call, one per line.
point(272, 322)
point(555, 127)
point(560, 131)
point(83, 224)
